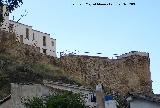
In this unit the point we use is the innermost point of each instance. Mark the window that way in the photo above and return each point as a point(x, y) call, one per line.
point(44, 41)
point(21, 38)
point(11, 27)
point(27, 33)
point(1, 10)
point(52, 43)
point(33, 37)
point(44, 51)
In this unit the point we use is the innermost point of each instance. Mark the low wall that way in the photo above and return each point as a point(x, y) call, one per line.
point(19, 92)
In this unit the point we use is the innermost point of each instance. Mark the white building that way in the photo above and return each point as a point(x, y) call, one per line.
point(88, 94)
point(25, 34)
point(20, 92)
point(143, 101)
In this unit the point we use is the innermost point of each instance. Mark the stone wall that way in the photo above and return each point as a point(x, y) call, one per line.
point(9, 45)
point(131, 73)
point(128, 74)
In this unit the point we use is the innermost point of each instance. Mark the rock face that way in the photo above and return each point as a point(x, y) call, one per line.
point(127, 74)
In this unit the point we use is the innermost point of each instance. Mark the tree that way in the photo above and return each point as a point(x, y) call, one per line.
point(61, 100)
point(11, 6)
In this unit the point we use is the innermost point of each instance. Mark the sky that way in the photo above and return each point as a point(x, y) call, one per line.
point(108, 29)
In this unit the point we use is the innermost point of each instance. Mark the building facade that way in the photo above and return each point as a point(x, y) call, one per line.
point(20, 92)
point(143, 101)
point(25, 34)
point(89, 95)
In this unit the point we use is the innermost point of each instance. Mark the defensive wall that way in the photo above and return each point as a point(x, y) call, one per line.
point(128, 73)
point(9, 45)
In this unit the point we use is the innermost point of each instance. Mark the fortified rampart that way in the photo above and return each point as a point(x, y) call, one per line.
point(128, 73)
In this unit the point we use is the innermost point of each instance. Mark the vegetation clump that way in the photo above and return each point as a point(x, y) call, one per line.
point(59, 100)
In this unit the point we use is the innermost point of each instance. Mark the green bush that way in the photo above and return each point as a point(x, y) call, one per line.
point(62, 100)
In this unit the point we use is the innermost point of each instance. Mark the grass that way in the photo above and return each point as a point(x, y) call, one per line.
point(14, 71)
point(53, 73)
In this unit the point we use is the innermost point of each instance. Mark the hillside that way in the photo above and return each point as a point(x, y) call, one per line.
point(12, 71)
point(24, 64)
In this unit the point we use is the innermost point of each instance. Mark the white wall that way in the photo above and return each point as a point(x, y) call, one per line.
point(138, 103)
point(20, 92)
point(111, 104)
point(20, 29)
point(82, 91)
point(51, 50)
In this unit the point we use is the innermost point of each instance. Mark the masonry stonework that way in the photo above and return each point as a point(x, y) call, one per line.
point(25, 34)
point(23, 52)
point(127, 74)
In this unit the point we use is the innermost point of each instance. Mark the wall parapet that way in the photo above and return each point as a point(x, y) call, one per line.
point(133, 53)
point(128, 73)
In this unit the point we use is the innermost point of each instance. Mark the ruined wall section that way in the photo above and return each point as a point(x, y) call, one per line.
point(128, 74)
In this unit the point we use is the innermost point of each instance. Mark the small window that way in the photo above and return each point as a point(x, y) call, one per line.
point(21, 38)
point(33, 37)
point(44, 41)
point(1, 9)
point(11, 27)
point(44, 51)
point(27, 33)
point(52, 43)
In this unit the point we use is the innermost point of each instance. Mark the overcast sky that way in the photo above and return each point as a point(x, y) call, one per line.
point(95, 28)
